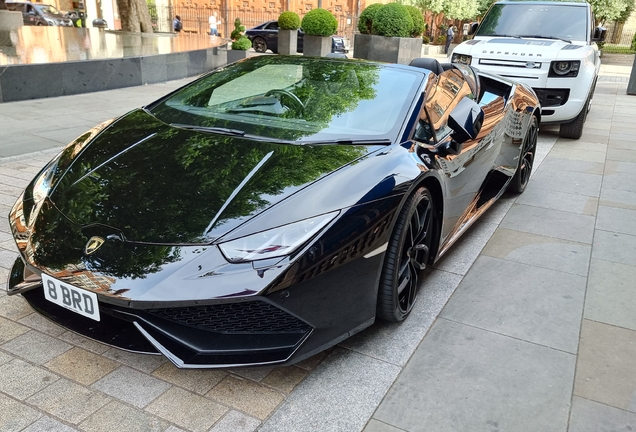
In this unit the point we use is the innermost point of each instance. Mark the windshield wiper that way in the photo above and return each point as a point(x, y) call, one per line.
point(349, 141)
point(546, 37)
point(500, 35)
point(216, 130)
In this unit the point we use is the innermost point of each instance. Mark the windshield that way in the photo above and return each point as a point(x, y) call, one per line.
point(48, 10)
point(297, 99)
point(527, 20)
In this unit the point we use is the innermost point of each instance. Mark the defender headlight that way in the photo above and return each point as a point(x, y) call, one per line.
point(276, 242)
point(50, 22)
point(564, 68)
point(461, 59)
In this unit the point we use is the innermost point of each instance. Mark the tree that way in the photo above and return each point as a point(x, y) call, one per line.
point(608, 10)
point(461, 9)
point(134, 16)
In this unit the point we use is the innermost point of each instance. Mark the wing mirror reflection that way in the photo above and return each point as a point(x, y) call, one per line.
point(466, 120)
point(473, 28)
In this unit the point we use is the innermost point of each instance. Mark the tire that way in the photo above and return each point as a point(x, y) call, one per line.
point(407, 255)
point(574, 128)
point(259, 44)
point(526, 159)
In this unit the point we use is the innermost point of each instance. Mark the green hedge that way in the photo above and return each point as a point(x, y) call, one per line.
point(418, 21)
point(242, 43)
point(365, 22)
point(319, 22)
point(289, 21)
point(393, 20)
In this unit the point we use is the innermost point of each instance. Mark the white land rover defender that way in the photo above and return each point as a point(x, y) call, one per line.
point(548, 45)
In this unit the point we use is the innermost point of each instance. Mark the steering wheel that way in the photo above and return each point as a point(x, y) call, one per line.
point(295, 100)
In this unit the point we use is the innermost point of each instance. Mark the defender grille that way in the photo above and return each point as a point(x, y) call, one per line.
point(246, 317)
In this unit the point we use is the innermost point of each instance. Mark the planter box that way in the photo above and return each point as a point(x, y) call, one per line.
point(10, 20)
point(316, 46)
point(287, 42)
point(361, 44)
point(236, 55)
point(387, 49)
point(433, 49)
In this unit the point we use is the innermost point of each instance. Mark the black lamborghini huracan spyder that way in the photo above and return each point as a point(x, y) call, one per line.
point(269, 209)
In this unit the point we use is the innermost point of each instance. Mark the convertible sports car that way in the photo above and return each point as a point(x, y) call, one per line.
point(269, 209)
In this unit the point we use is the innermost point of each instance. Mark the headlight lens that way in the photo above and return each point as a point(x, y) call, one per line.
point(461, 59)
point(276, 242)
point(50, 22)
point(564, 68)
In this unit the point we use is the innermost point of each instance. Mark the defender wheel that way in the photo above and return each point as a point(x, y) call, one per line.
point(259, 45)
point(526, 159)
point(574, 129)
point(407, 255)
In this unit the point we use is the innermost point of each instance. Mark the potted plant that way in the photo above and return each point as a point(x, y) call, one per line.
point(240, 43)
point(288, 25)
point(365, 23)
point(395, 38)
point(318, 25)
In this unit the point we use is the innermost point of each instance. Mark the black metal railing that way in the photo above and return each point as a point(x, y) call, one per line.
point(195, 19)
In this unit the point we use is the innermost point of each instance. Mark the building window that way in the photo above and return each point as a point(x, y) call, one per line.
point(308, 7)
point(338, 8)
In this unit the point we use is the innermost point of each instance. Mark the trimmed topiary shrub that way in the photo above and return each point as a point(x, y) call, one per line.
point(418, 21)
point(289, 21)
point(365, 22)
point(393, 20)
point(241, 42)
point(319, 22)
point(238, 30)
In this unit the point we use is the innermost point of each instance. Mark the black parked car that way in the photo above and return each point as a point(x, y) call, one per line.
point(265, 37)
point(40, 14)
point(269, 209)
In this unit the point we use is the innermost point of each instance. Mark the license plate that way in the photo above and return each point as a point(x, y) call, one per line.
point(72, 298)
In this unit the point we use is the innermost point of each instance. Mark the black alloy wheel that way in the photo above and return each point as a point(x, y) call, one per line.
point(407, 255)
point(259, 44)
point(526, 158)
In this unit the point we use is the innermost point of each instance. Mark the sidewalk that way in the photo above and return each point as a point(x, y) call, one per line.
point(529, 324)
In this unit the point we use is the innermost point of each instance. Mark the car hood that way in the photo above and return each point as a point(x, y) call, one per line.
point(514, 48)
point(153, 183)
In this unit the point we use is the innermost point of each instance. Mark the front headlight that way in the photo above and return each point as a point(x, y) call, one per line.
point(276, 242)
point(564, 68)
point(50, 22)
point(461, 59)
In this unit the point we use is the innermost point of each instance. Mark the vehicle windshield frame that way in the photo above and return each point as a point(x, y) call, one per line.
point(315, 100)
point(502, 19)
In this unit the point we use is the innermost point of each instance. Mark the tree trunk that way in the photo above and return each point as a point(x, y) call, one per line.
point(618, 32)
point(134, 16)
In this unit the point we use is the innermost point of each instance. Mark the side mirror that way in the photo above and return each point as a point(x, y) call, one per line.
point(466, 120)
point(473, 28)
point(599, 34)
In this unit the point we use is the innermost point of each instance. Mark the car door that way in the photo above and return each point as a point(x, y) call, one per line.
point(464, 166)
point(270, 34)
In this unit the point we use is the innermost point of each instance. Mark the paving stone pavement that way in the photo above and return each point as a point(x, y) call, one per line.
point(527, 324)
